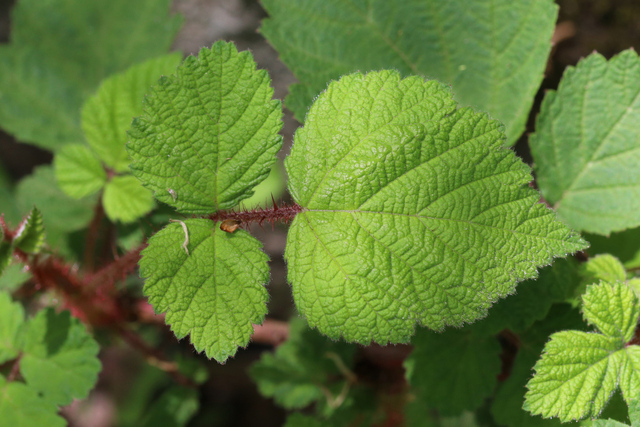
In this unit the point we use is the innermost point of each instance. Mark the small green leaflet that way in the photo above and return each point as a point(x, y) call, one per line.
point(579, 371)
point(11, 328)
point(30, 235)
point(78, 171)
point(213, 294)
point(493, 52)
point(209, 133)
point(412, 211)
point(125, 200)
point(586, 144)
point(603, 267)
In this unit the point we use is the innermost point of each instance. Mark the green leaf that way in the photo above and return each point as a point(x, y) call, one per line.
point(11, 328)
point(372, 253)
point(493, 52)
point(107, 115)
point(125, 199)
point(273, 186)
point(453, 371)
point(78, 171)
point(59, 357)
point(585, 146)
point(215, 293)
point(208, 134)
point(301, 368)
point(30, 236)
point(174, 408)
point(61, 50)
point(603, 267)
point(21, 406)
point(579, 371)
point(13, 277)
point(299, 420)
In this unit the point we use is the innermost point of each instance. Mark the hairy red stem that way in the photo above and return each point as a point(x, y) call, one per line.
point(284, 213)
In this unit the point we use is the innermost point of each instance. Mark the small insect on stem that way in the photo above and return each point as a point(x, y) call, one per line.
point(186, 234)
point(230, 225)
point(173, 194)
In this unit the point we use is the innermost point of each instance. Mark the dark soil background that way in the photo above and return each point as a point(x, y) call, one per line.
point(230, 398)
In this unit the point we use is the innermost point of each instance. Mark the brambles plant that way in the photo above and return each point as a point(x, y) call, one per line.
point(410, 220)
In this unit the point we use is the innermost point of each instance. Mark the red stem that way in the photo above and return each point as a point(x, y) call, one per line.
point(283, 212)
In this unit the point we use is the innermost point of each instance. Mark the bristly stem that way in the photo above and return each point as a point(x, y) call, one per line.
point(284, 213)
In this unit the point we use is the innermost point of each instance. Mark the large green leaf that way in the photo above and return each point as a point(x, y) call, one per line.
point(586, 146)
point(107, 115)
point(215, 292)
point(493, 52)
point(412, 212)
point(60, 357)
point(209, 133)
point(579, 371)
point(61, 50)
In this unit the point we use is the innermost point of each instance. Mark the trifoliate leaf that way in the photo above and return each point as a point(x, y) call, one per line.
point(174, 408)
point(492, 52)
point(215, 292)
point(579, 371)
point(13, 277)
point(623, 245)
point(30, 236)
point(303, 369)
point(107, 115)
point(453, 371)
point(208, 134)
point(412, 212)
point(59, 357)
point(125, 200)
point(586, 144)
point(21, 406)
point(78, 171)
point(61, 50)
point(11, 327)
point(603, 267)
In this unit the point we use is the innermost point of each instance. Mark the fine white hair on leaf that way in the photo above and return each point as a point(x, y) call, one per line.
point(186, 234)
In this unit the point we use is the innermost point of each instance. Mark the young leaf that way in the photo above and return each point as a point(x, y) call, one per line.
point(207, 134)
point(61, 50)
point(21, 406)
point(492, 52)
point(125, 200)
point(78, 171)
point(11, 327)
point(453, 371)
point(59, 357)
point(302, 367)
point(603, 267)
point(585, 146)
point(215, 292)
point(30, 236)
point(107, 115)
point(579, 371)
point(412, 212)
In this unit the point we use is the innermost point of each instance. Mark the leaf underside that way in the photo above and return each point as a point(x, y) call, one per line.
point(412, 211)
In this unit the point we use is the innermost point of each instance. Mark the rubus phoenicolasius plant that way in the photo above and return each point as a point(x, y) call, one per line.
point(411, 220)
